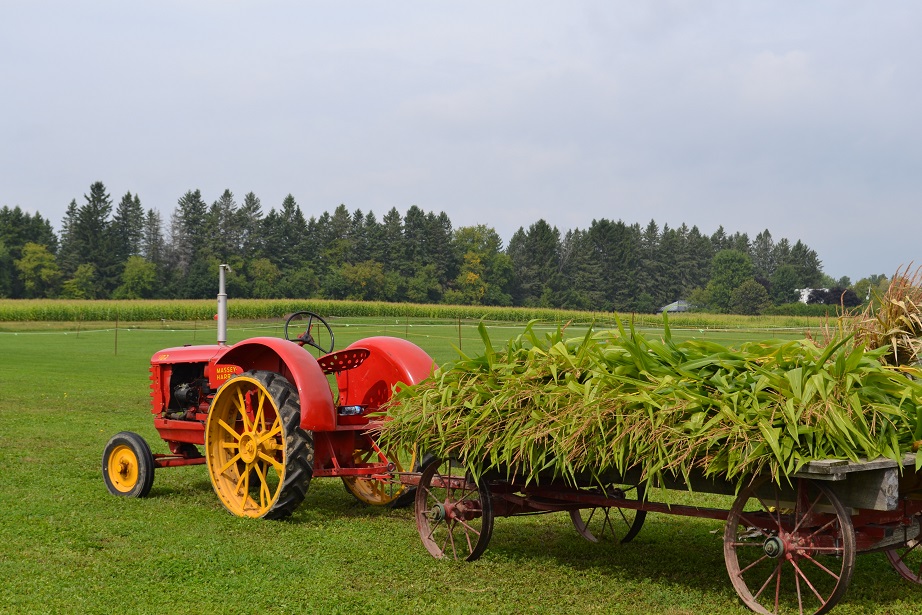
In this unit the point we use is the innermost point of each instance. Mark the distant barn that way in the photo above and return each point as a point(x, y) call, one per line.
point(675, 306)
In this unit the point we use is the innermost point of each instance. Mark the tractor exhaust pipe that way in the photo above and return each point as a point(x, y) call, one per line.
point(222, 306)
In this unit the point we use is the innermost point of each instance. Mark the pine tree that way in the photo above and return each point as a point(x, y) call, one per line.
point(152, 247)
point(762, 255)
point(187, 231)
point(223, 238)
point(91, 240)
point(128, 226)
point(249, 223)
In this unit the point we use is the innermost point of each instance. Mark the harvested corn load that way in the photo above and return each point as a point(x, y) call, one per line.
point(546, 406)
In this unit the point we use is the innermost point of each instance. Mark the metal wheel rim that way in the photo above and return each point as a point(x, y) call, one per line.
point(245, 445)
point(812, 569)
point(123, 468)
point(443, 535)
point(610, 524)
point(907, 561)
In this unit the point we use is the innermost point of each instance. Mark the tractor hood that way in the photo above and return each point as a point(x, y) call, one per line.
point(188, 354)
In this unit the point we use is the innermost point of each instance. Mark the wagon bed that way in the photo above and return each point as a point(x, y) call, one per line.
point(788, 548)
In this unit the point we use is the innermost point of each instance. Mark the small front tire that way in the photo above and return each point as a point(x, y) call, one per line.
point(128, 465)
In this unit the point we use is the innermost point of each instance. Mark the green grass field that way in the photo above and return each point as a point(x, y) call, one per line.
point(67, 546)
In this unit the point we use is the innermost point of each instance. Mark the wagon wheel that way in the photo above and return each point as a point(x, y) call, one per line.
point(787, 556)
point(128, 465)
point(378, 491)
point(611, 523)
point(454, 514)
point(259, 460)
point(907, 559)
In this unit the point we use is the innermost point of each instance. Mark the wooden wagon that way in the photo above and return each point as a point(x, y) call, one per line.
point(788, 548)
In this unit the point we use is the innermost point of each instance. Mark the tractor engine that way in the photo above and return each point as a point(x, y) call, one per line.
point(186, 399)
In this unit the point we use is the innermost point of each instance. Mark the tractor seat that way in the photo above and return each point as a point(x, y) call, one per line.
point(343, 360)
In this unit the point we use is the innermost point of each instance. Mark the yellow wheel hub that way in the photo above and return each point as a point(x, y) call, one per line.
point(244, 445)
point(123, 468)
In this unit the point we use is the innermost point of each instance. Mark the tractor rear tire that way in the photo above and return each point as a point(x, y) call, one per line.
point(128, 465)
point(259, 459)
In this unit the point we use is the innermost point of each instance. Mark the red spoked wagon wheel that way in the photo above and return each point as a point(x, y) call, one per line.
point(789, 551)
point(260, 461)
point(611, 523)
point(907, 559)
point(454, 514)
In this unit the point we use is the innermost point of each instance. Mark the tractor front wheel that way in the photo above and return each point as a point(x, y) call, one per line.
point(259, 460)
point(128, 465)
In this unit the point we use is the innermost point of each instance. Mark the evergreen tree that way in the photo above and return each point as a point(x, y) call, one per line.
point(519, 259)
point(286, 232)
point(187, 231)
point(696, 261)
point(740, 243)
point(582, 272)
point(69, 252)
point(719, 240)
point(359, 251)
point(372, 235)
point(617, 248)
point(671, 285)
point(152, 246)
point(392, 247)
point(807, 263)
point(250, 223)
point(537, 264)
point(414, 240)
point(223, 235)
point(337, 241)
point(781, 253)
point(438, 247)
point(649, 277)
point(90, 239)
point(762, 253)
point(128, 227)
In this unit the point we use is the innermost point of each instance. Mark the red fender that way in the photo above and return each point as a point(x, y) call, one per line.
point(392, 360)
point(318, 412)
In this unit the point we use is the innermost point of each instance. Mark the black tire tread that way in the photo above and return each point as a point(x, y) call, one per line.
point(299, 444)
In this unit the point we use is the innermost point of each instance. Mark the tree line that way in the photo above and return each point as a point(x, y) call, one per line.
point(122, 251)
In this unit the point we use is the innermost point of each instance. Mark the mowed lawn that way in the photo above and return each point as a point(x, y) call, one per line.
point(67, 546)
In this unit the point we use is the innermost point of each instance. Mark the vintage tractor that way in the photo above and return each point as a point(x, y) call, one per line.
point(268, 418)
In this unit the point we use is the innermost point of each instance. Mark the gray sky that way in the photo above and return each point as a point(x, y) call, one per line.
point(798, 117)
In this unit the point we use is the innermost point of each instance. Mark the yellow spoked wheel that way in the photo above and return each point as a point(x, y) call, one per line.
point(128, 465)
point(379, 491)
point(259, 460)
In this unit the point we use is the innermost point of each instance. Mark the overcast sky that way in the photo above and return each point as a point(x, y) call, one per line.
point(799, 117)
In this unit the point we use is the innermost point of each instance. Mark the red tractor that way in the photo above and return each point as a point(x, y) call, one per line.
point(266, 415)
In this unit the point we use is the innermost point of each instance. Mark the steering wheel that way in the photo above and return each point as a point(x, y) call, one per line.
point(307, 337)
